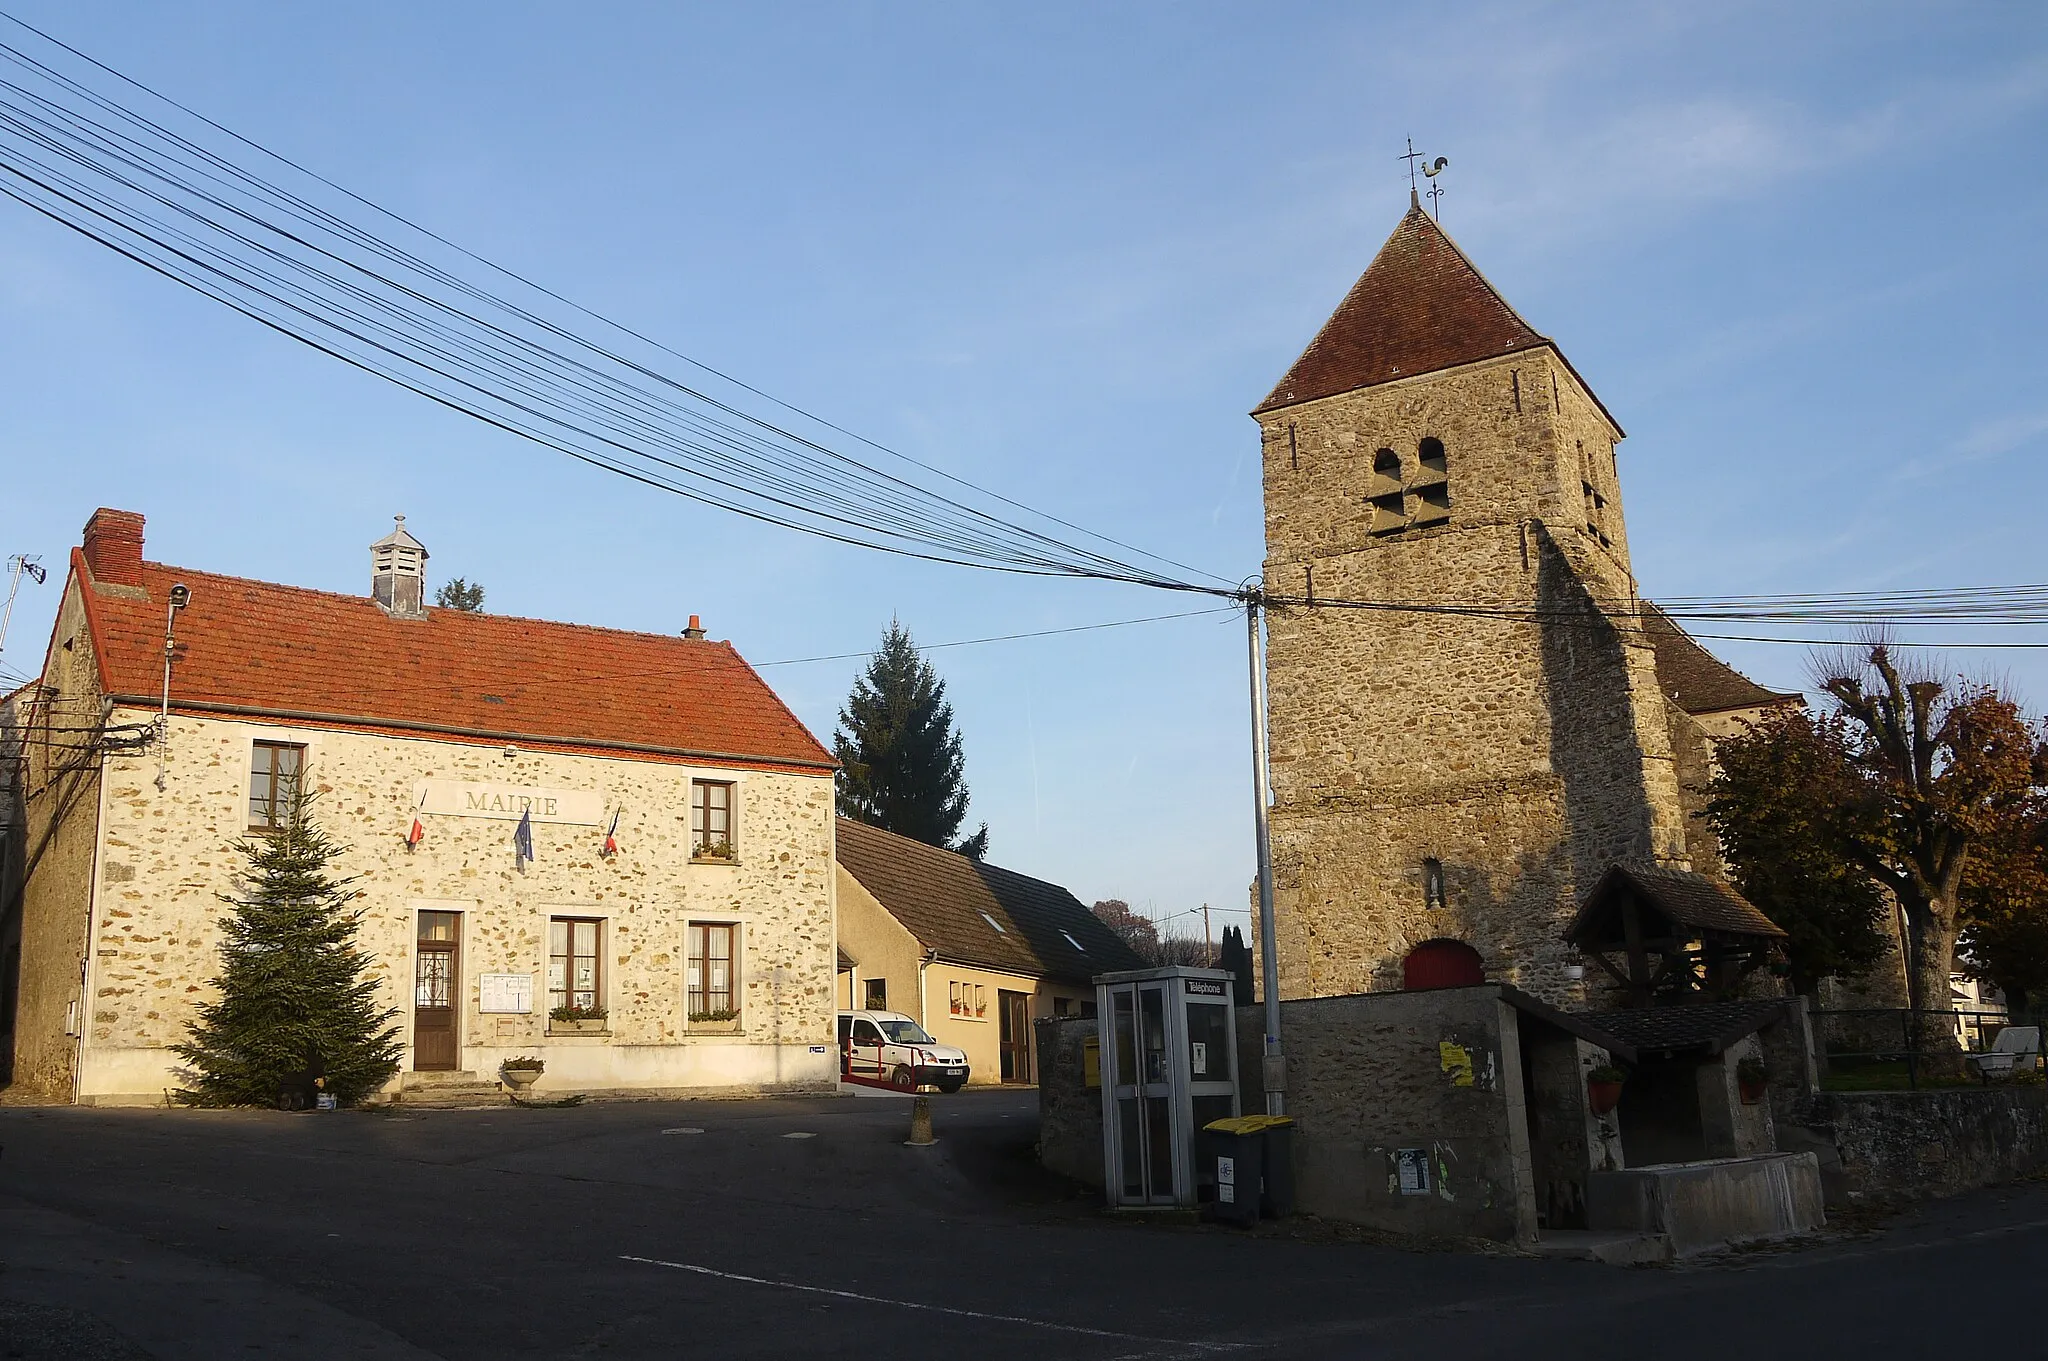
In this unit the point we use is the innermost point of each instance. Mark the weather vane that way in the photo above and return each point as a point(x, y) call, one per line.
point(1430, 169)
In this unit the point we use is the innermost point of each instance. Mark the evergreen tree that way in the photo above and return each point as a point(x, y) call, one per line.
point(901, 765)
point(295, 1005)
point(461, 595)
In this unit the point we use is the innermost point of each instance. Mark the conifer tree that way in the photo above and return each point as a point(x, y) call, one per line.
point(295, 1004)
point(901, 765)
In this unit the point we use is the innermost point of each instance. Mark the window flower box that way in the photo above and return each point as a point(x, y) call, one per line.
point(722, 1022)
point(578, 1021)
point(714, 853)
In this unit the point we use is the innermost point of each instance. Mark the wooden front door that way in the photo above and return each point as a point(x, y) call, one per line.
point(1015, 1011)
point(436, 987)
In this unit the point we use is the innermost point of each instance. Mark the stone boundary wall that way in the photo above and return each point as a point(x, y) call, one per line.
point(1935, 1142)
point(1069, 1110)
point(1432, 1080)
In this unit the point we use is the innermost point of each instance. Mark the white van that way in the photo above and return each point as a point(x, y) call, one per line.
point(887, 1048)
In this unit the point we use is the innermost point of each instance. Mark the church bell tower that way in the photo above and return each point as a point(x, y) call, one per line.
point(1466, 723)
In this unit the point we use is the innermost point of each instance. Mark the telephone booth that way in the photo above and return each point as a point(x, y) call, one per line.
point(1169, 1067)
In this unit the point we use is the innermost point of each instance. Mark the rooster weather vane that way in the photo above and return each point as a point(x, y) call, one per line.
point(1430, 170)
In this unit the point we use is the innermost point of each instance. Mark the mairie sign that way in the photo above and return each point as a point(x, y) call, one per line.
point(456, 799)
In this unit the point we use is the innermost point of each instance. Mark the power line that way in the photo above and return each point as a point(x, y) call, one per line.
point(198, 217)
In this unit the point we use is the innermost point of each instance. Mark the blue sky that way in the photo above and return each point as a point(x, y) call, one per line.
point(1796, 249)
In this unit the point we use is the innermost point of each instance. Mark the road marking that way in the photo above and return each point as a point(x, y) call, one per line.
point(683, 1129)
point(799, 1134)
point(940, 1308)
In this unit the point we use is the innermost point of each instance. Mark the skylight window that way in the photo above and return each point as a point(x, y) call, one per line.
point(1071, 941)
point(993, 922)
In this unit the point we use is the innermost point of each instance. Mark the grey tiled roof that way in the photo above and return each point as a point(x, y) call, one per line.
point(1687, 898)
point(1711, 1026)
point(1694, 678)
point(973, 912)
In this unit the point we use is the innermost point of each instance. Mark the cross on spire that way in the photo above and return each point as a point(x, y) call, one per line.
point(1430, 170)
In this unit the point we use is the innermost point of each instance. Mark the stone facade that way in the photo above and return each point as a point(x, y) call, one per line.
point(60, 784)
point(1522, 754)
point(165, 859)
point(127, 844)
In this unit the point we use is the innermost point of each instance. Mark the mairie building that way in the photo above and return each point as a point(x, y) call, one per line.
point(663, 921)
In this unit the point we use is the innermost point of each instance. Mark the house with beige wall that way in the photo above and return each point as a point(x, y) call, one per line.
point(973, 952)
point(672, 930)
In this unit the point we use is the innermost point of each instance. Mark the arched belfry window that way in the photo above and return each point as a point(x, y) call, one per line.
point(1432, 482)
point(1389, 511)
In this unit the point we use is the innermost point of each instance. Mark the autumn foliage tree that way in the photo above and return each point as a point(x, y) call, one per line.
point(1943, 770)
point(1786, 803)
point(2005, 910)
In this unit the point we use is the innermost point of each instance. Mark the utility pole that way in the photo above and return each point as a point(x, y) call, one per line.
point(1273, 1070)
point(1208, 941)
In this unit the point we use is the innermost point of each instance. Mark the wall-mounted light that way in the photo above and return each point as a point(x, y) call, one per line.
point(510, 751)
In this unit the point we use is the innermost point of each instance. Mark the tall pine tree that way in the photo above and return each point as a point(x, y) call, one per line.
point(901, 765)
point(295, 1000)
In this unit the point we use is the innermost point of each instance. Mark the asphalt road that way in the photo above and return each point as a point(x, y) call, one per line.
point(805, 1228)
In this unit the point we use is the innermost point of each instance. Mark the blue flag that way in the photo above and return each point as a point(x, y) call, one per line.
point(522, 839)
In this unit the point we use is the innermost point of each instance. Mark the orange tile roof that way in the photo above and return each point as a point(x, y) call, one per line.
point(338, 660)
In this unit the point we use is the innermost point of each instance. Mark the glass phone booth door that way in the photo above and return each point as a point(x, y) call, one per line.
point(1169, 1067)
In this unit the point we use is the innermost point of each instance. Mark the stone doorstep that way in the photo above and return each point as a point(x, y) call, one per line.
point(1615, 1247)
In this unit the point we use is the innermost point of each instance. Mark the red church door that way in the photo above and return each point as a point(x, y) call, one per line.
point(1441, 964)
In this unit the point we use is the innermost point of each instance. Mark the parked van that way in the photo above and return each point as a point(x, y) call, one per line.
point(888, 1049)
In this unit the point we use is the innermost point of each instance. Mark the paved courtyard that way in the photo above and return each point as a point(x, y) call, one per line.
point(805, 1228)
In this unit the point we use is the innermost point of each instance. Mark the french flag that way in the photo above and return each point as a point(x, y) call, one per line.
point(522, 839)
point(416, 835)
point(611, 837)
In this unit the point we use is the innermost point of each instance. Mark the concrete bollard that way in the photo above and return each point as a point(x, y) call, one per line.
point(920, 1122)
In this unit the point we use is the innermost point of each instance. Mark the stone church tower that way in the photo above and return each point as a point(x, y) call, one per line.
point(1451, 781)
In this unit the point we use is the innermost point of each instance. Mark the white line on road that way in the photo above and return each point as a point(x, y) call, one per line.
point(940, 1308)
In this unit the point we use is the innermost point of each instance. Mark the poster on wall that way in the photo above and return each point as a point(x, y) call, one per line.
point(1412, 1168)
point(510, 993)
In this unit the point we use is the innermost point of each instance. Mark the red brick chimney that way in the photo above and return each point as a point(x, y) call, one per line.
point(113, 546)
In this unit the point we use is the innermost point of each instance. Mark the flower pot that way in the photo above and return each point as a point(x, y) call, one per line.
point(520, 1079)
point(1753, 1092)
point(1603, 1097)
point(591, 1027)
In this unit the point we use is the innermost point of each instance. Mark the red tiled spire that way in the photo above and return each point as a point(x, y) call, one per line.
point(1420, 306)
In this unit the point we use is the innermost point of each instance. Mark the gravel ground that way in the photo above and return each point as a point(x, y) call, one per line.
point(38, 1332)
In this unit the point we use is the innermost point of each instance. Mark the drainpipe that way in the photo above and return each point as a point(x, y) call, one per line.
point(922, 965)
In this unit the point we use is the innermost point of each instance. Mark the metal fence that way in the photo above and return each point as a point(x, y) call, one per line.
point(1892, 1041)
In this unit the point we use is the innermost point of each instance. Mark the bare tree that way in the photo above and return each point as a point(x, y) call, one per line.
point(1943, 765)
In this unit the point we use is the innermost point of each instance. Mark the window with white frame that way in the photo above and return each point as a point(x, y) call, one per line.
point(711, 819)
point(712, 982)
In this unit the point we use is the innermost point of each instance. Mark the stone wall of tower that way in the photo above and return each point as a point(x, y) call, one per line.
point(1523, 754)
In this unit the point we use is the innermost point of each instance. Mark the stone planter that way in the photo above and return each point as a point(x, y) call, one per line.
point(520, 1080)
point(731, 1027)
point(596, 1027)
